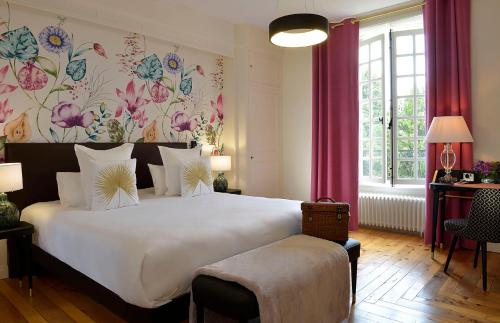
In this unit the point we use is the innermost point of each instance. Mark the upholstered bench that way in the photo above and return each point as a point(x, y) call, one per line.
point(234, 301)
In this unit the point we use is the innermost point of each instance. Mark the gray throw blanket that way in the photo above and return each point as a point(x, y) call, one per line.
point(297, 279)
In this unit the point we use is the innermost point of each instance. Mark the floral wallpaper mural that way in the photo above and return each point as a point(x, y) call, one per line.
point(67, 81)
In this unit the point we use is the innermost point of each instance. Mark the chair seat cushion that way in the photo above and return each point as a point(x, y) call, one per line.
point(455, 225)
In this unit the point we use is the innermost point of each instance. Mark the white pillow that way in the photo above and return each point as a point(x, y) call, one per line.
point(196, 178)
point(159, 178)
point(113, 184)
point(69, 187)
point(86, 155)
point(172, 159)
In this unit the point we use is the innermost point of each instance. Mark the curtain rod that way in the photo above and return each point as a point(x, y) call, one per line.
point(381, 14)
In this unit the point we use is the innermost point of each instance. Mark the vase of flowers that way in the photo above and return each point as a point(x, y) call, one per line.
point(488, 171)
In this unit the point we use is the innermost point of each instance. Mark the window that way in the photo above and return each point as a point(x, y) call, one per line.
point(392, 105)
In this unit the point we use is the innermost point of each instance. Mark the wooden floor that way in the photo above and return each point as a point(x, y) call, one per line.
point(397, 282)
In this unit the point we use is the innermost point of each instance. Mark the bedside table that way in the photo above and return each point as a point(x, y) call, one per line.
point(236, 191)
point(22, 233)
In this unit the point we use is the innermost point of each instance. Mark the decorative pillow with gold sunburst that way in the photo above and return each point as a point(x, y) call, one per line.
point(196, 178)
point(113, 185)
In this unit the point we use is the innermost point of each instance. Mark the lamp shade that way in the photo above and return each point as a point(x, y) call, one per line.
point(220, 163)
point(448, 129)
point(298, 30)
point(11, 177)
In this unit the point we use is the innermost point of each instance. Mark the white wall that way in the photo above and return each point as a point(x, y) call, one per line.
point(297, 123)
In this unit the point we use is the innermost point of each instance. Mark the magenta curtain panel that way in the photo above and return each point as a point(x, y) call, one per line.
point(448, 88)
point(336, 117)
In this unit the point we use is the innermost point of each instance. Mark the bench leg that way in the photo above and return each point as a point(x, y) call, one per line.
point(200, 314)
point(354, 276)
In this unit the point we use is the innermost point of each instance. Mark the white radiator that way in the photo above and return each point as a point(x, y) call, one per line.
point(398, 212)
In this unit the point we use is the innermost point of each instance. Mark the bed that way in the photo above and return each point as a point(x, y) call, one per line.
point(139, 260)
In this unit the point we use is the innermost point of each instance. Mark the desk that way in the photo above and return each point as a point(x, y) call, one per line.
point(439, 191)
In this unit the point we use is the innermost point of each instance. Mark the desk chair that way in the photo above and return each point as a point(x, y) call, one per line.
point(482, 225)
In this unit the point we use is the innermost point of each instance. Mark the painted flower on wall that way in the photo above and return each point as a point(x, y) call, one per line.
point(31, 77)
point(217, 110)
point(150, 68)
point(100, 50)
point(150, 133)
point(140, 116)
point(159, 93)
point(173, 63)
point(19, 129)
point(182, 122)
point(68, 115)
point(5, 88)
point(54, 39)
point(132, 101)
point(5, 110)
point(18, 44)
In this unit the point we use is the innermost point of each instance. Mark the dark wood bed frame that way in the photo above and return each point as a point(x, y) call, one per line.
point(40, 162)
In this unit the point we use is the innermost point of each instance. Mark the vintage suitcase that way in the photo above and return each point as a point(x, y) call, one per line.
point(326, 219)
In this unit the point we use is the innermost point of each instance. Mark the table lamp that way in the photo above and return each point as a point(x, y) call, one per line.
point(447, 130)
point(11, 179)
point(220, 164)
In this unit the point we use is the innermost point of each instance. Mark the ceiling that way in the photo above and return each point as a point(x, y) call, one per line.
point(261, 12)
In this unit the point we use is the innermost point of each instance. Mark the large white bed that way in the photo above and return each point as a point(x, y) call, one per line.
point(147, 254)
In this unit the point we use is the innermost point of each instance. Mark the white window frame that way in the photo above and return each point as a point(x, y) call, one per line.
point(396, 118)
point(371, 178)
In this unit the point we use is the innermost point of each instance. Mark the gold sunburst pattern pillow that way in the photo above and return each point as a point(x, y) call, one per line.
point(196, 178)
point(113, 184)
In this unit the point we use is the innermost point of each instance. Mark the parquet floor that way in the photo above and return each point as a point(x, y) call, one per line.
point(397, 282)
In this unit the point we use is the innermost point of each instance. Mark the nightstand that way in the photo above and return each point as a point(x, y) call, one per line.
point(22, 233)
point(236, 191)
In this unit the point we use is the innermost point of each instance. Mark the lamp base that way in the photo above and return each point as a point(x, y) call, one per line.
point(220, 183)
point(9, 214)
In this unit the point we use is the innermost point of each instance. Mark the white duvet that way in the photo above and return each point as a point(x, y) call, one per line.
point(147, 254)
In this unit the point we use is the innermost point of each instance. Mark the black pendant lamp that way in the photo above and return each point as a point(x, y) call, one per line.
point(298, 30)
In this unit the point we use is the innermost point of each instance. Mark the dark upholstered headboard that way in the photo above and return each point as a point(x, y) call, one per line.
point(41, 161)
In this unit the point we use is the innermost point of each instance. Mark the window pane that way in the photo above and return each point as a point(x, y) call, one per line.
point(376, 109)
point(376, 69)
point(405, 148)
point(365, 130)
point(365, 111)
point(406, 128)
point(404, 45)
point(421, 169)
point(377, 148)
point(420, 64)
point(420, 127)
point(419, 43)
point(404, 86)
point(377, 130)
point(364, 55)
point(420, 106)
point(364, 90)
point(363, 73)
point(376, 89)
point(376, 50)
point(377, 168)
point(420, 148)
point(420, 85)
point(366, 168)
point(404, 65)
point(406, 169)
point(405, 107)
point(366, 148)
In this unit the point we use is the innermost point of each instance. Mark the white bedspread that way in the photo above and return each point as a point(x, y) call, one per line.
point(147, 254)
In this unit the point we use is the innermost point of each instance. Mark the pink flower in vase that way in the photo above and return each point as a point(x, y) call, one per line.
point(31, 77)
point(159, 92)
point(5, 110)
point(132, 101)
point(181, 122)
point(68, 115)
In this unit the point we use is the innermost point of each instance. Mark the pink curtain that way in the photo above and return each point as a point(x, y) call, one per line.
point(447, 45)
point(335, 118)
